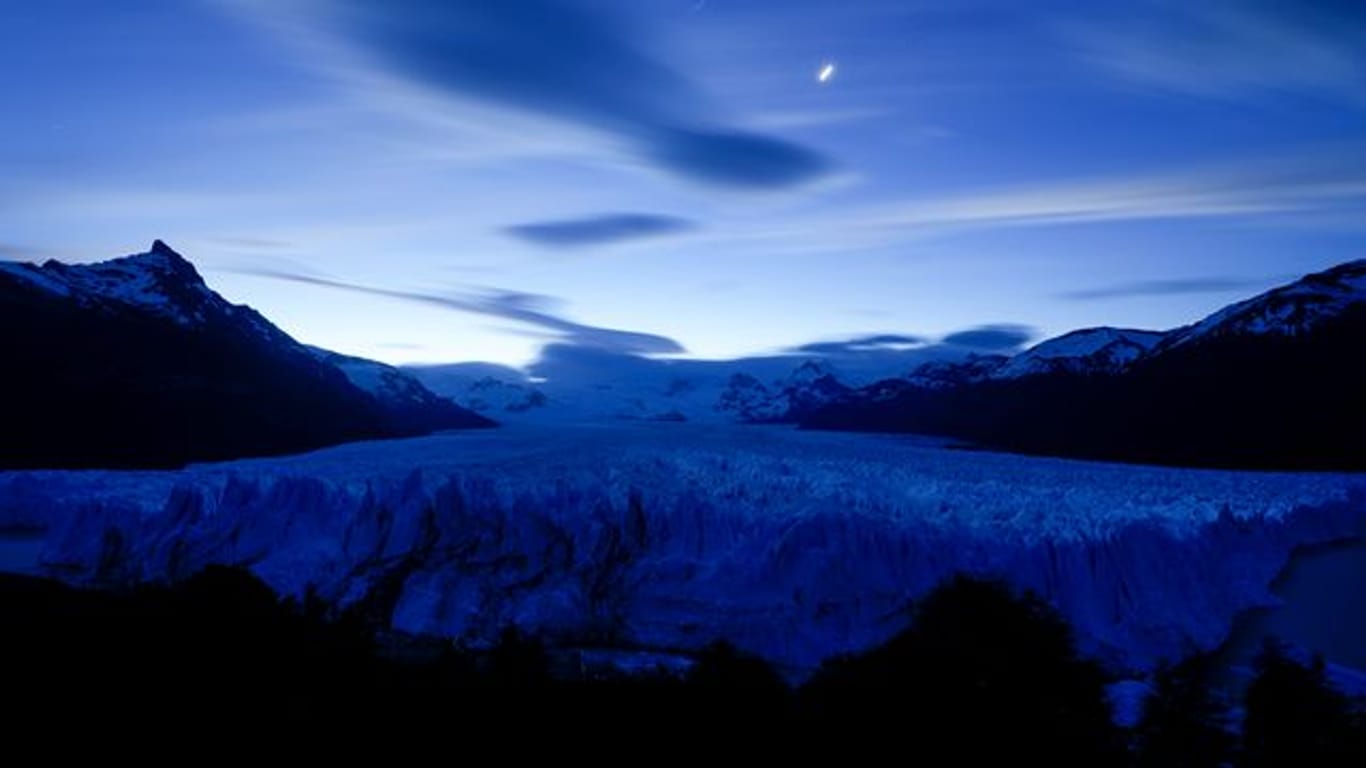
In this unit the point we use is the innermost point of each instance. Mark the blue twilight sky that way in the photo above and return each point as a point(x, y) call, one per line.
point(415, 180)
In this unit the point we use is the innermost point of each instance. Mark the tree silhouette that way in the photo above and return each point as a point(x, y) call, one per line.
point(1295, 717)
point(983, 674)
point(1185, 723)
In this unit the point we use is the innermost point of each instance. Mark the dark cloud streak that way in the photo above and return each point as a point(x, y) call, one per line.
point(529, 309)
point(599, 230)
point(1162, 288)
point(570, 60)
point(1001, 337)
point(867, 344)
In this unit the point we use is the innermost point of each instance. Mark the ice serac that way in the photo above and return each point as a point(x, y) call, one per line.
point(793, 545)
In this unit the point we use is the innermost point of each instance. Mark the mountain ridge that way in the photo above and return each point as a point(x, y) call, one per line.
point(136, 362)
point(1270, 382)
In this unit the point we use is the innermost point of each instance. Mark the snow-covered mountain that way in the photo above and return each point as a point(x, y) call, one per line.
point(1087, 351)
point(812, 385)
point(136, 362)
point(947, 374)
point(496, 391)
point(570, 384)
point(1289, 311)
point(1274, 381)
point(497, 397)
point(409, 406)
point(158, 283)
point(1292, 310)
point(587, 385)
point(750, 400)
point(794, 545)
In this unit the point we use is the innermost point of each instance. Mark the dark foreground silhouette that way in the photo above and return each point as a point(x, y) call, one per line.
point(982, 676)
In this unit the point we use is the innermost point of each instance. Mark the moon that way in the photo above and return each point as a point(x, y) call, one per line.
point(826, 73)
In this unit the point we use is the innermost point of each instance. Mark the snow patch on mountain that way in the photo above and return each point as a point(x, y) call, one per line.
point(1291, 310)
point(793, 545)
point(495, 391)
point(812, 385)
point(571, 384)
point(159, 281)
point(947, 374)
point(384, 382)
point(749, 400)
point(492, 396)
point(1091, 350)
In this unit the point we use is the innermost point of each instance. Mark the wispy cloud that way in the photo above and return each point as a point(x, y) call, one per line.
point(1332, 180)
point(599, 230)
point(1210, 193)
point(251, 243)
point(22, 252)
point(566, 59)
point(1233, 48)
point(1163, 288)
point(797, 118)
point(525, 308)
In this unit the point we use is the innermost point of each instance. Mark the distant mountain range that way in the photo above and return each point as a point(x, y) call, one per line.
point(576, 384)
point(135, 362)
point(1277, 381)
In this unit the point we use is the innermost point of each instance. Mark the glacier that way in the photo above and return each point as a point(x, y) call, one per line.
point(793, 545)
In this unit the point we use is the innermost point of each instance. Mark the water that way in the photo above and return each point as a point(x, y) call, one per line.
point(1324, 607)
point(19, 551)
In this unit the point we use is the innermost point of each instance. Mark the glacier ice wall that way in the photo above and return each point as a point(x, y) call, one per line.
point(795, 546)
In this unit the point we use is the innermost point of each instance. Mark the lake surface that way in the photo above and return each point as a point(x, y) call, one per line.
point(19, 551)
point(1324, 607)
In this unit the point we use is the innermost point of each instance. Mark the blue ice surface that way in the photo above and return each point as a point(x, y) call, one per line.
point(792, 545)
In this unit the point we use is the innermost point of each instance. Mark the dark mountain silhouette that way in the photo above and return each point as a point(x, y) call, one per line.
point(135, 362)
point(1276, 381)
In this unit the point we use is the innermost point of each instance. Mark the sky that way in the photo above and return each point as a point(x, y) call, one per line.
point(425, 181)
